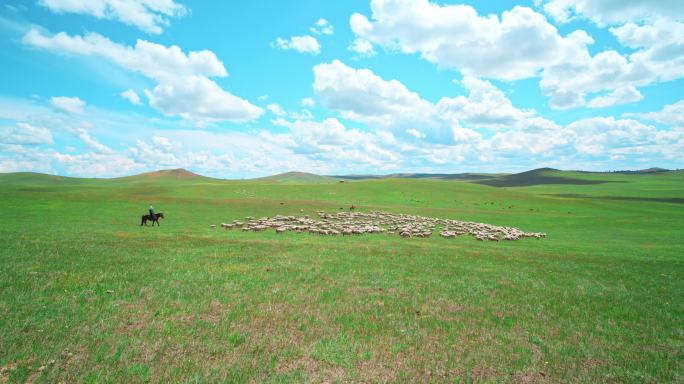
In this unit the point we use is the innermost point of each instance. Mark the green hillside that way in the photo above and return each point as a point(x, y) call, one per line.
point(297, 178)
point(88, 295)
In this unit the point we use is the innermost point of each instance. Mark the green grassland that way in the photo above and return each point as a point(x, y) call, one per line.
point(87, 295)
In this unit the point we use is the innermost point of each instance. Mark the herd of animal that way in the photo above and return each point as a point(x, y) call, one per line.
point(358, 223)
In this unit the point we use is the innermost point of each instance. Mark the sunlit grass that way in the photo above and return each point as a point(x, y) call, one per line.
point(86, 294)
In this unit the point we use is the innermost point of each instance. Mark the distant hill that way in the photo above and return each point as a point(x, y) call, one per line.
point(31, 177)
point(440, 176)
point(533, 177)
point(536, 177)
point(647, 170)
point(298, 178)
point(178, 174)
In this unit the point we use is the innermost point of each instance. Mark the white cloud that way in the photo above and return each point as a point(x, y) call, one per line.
point(92, 143)
point(522, 143)
point(302, 44)
point(415, 133)
point(512, 140)
point(653, 28)
point(627, 94)
point(322, 27)
point(131, 96)
point(184, 88)
point(387, 107)
point(148, 15)
point(570, 83)
point(276, 109)
point(362, 47)
point(488, 107)
point(331, 141)
point(606, 135)
point(523, 44)
point(21, 158)
point(25, 134)
point(660, 47)
point(454, 36)
point(68, 104)
point(672, 114)
point(361, 95)
point(605, 12)
point(93, 164)
point(307, 102)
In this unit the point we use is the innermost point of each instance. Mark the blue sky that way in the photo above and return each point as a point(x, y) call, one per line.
point(106, 88)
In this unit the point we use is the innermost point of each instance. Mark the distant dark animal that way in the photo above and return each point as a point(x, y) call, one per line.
point(353, 207)
point(153, 219)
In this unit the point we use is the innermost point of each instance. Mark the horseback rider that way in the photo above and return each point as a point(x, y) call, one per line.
point(151, 212)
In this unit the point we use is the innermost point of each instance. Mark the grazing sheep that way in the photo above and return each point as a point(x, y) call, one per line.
point(353, 223)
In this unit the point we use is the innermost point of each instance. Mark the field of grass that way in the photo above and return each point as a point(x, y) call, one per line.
point(87, 295)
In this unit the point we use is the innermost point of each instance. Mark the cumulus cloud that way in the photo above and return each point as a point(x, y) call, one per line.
point(25, 134)
point(672, 114)
point(363, 47)
point(147, 15)
point(523, 44)
point(93, 143)
point(302, 44)
point(68, 104)
point(605, 12)
point(307, 102)
point(600, 135)
point(486, 106)
point(94, 164)
point(653, 28)
point(322, 27)
point(624, 95)
point(509, 139)
point(568, 84)
point(331, 141)
point(184, 86)
point(517, 46)
point(131, 96)
point(361, 95)
point(276, 109)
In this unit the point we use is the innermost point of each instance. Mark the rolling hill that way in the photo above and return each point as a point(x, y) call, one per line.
point(177, 174)
point(536, 177)
point(297, 178)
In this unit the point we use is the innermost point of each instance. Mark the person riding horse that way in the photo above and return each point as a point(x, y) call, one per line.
point(153, 217)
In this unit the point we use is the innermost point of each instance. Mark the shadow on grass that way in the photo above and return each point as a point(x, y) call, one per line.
point(675, 200)
point(537, 177)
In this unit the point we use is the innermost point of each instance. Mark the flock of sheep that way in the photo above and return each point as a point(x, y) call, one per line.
point(357, 223)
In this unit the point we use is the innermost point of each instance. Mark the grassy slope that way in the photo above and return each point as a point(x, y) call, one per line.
point(599, 300)
point(296, 178)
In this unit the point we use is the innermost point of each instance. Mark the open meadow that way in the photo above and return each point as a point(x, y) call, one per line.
point(89, 295)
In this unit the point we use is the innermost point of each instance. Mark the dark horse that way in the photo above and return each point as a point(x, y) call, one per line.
point(154, 219)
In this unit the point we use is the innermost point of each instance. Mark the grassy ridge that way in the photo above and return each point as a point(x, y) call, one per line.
point(88, 295)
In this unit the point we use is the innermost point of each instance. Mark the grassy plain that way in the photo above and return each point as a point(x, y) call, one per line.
point(87, 295)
